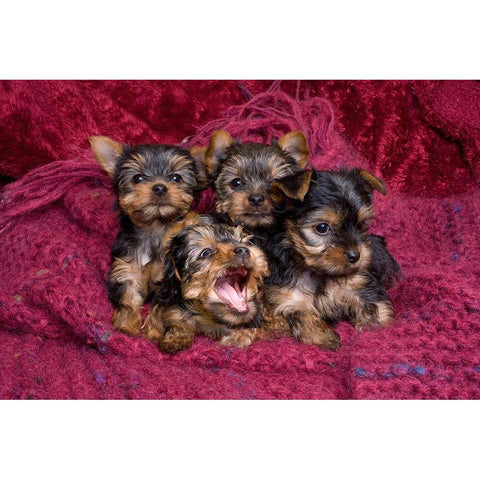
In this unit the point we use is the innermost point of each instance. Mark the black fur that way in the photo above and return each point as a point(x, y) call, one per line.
point(253, 163)
point(182, 264)
point(383, 266)
point(157, 165)
point(348, 193)
point(131, 237)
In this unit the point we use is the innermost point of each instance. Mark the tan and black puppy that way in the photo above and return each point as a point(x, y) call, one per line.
point(214, 286)
point(155, 186)
point(244, 178)
point(325, 264)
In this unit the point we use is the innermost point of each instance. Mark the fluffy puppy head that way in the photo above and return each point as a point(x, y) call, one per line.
point(153, 182)
point(244, 176)
point(329, 229)
point(221, 272)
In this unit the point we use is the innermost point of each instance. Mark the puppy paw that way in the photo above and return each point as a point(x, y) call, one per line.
point(127, 322)
point(238, 338)
point(380, 317)
point(176, 338)
point(328, 339)
point(153, 327)
point(153, 330)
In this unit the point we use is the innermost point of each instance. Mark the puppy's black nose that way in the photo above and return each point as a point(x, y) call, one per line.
point(256, 199)
point(242, 252)
point(159, 189)
point(352, 256)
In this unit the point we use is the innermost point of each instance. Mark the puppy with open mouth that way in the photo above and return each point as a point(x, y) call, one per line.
point(213, 286)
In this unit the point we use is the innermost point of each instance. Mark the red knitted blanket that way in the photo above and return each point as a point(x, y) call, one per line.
point(57, 226)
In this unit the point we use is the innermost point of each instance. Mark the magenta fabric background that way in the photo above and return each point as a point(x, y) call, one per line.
point(57, 226)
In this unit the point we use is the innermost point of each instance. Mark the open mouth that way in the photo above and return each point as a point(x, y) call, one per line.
point(231, 288)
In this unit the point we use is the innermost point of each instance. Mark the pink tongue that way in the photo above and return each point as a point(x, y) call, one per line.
point(228, 293)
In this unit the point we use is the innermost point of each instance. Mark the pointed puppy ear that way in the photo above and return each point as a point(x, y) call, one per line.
point(374, 182)
point(294, 186)
point(107, 152)
point(295, 144)
point(198, 155)
point(215, 154)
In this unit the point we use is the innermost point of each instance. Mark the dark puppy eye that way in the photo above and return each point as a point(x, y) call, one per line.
point(236, 182)
point(206, 253)
point(176, 178)
point(322, 228)
point(138, 178)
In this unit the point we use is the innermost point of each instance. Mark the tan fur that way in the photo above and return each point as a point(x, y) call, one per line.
point(127, 318)
point(295, 144)
point(153, 327)
point(339, 298)
point(385, 313)
point(321, 257)
point(314, 331)
point(178, 163)
point(191, 218)
point(274, 165)
point(298, 188)
point(144, 207)
point(381, 316)
point(219, 142)
point(198, 155)
point(179, 333)
point(241, 338)
point(332, 217)
point(142, 269)
point(201, 287)
point(374, 182)
point(301, 303)
point(107, 152)
point(135, 161)
point(366, 214)
point(239, 210)
point(204, 309)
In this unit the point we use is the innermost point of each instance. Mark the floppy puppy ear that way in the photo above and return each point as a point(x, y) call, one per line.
point(198, 155)
point(294, 186)
point(216, 151)
point(372, 181)
point(107, 152)
point(295, 144)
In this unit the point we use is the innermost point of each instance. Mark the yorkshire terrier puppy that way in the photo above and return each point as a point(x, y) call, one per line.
point(213, 286)
point(245, 178)
point(155, 186)
point(325, 264)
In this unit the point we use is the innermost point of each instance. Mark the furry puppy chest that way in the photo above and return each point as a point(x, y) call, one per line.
point(154, 185)
point(326, 265)
point(214, 285)
point(245, 175)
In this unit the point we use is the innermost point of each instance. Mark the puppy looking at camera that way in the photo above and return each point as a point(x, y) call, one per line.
point(244, 178)
point(214, 285)
point(325, 264)
point(155, 186)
